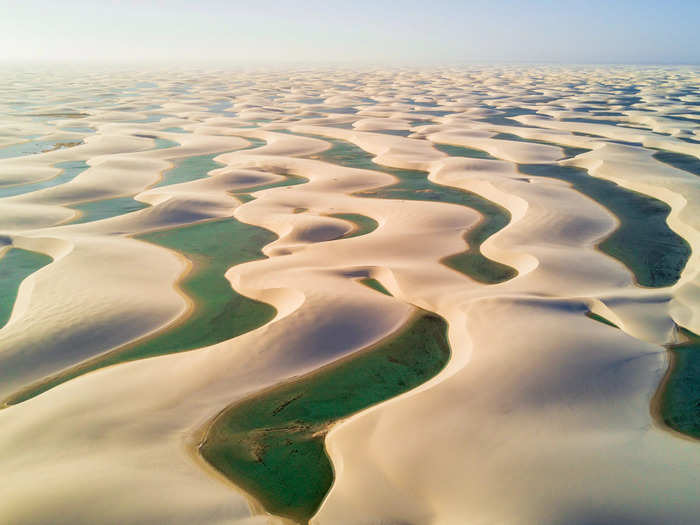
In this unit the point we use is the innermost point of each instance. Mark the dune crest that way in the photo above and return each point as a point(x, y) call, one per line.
point(259, 228)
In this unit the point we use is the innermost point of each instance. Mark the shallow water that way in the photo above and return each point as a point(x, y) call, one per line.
point(643, 242)
point(219, 314)
point(680, 400)
point(414, 185)
point(71, 169)
point(15, 266)
point(31, 148)
point(272, 444)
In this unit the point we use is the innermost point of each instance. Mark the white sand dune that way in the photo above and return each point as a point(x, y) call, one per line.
point(541, 416)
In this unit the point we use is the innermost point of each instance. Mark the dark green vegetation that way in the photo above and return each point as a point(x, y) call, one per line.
point(219, 312)
point(654, 253)
point(680, 398)
point(600, 319)
point(414, 185)
point(70, 169)
point(15, 266)
point(687, 163)
point(375, 285)
point(272, 443)
point(363, 224)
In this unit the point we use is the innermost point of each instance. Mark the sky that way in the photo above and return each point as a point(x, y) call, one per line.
point(402, 32)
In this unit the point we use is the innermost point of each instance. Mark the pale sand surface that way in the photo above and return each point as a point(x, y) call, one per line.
point(542, 415)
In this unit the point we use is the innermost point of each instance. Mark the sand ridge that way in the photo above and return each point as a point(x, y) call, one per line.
point(535, 391)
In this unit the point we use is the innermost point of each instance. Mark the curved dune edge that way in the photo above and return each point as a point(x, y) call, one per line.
point(177, 320)
point(18, 265)
point(352, 138)
point(656, 407)
point(37, 388)
point(339, 460)
point(177, 314)
point(674, 191)
point(171, 396)
point(273, 296)
point(311, 393)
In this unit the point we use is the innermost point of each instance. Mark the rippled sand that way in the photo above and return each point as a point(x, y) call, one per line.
point(542, 415)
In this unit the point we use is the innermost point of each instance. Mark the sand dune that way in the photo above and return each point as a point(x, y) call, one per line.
point(541, 416)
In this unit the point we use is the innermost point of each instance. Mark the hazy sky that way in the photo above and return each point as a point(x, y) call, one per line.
point(397, 31)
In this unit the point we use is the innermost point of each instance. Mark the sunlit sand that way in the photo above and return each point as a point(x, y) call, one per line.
point(498, 264)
